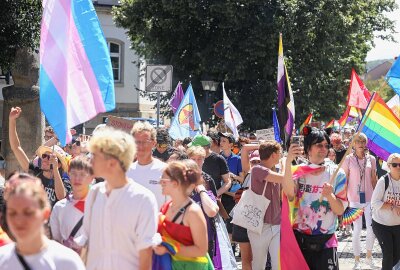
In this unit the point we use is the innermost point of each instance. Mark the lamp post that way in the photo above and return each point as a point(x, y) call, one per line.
point(209, 86)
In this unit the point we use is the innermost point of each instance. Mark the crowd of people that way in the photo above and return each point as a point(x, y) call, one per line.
point(115, 200)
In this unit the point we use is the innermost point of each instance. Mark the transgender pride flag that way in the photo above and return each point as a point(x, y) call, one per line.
point(76, 80)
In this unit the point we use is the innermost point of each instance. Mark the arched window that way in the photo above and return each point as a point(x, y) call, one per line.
point(116, 59)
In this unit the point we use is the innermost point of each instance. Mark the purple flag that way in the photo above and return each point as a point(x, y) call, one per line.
point(176, 98)
point(286, 112)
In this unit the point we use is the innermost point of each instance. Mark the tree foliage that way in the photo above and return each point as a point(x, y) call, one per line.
point(237, 42)
point(19, 28)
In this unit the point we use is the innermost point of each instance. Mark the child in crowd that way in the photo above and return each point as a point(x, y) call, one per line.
point(67, 216)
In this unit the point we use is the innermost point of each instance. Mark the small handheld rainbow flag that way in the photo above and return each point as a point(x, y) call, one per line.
point(351, 214)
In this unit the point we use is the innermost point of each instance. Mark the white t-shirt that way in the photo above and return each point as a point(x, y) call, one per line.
point(380, 196)
point(118, 225)
point(149, 177)
point(63, 219)
point(54, 257)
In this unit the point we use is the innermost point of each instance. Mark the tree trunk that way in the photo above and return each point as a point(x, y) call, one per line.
point(25, 94)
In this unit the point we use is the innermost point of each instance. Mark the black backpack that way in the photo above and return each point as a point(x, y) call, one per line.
point(386, 177)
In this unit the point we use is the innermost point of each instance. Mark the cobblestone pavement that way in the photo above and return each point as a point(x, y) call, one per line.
point(345, 253)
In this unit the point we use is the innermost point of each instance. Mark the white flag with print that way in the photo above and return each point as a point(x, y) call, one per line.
point(232, 116)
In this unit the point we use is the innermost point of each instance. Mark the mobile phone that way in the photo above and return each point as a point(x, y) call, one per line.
point(297, 140)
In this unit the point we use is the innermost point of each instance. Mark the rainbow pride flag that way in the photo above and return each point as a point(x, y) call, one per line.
point(301, 170)
point(306, 122)
point(76, 78)
point(330, 123)
point(382, 128)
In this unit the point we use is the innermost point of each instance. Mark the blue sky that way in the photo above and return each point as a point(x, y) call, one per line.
point(385, 49)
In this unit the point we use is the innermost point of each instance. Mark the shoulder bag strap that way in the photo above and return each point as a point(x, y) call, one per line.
point(76, 227)
point(386, 177)
point(22, 261)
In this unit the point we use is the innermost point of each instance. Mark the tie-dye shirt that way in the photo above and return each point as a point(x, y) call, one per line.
point(310, 215)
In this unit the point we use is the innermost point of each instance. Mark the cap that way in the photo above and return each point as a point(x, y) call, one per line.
point(200, 140)
point(227, 135)
point(255, 155)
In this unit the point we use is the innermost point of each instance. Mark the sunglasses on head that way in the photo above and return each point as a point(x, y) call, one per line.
point(394, 165)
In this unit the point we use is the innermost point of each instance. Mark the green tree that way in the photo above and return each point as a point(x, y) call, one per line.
point(19, 28)
point(236, 42)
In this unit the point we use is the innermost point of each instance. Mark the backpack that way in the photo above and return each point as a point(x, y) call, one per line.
point(386, 177)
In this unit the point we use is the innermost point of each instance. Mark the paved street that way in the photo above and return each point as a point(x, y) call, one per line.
point(345, 252)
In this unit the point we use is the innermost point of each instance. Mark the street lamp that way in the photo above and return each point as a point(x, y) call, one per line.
point(209, 86)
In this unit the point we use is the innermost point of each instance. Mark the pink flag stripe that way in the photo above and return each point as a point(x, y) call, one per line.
point(291, 257)
point(80, 75)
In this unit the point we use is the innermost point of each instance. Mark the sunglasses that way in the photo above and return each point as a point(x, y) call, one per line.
point(394, 165)
point(320, 145)
point(45, 156)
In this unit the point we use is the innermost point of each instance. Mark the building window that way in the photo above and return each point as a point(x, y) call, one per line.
point(115, 54)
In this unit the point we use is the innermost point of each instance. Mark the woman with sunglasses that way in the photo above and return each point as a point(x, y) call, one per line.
point(360, 169)
point(386, 213)
point(181, 220)
point(27, 210)
point(52, 162)
point(317, 201)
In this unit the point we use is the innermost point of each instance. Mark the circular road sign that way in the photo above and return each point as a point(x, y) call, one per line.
point(219, 109)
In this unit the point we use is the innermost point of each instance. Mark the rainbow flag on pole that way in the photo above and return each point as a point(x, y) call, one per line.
point(76, 78)
point(382, 128)
point(306, 122)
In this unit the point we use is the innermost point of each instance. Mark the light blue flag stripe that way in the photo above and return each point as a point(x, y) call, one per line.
point(186, 122)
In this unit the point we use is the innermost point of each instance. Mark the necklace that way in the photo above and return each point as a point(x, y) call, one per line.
point(176, 209)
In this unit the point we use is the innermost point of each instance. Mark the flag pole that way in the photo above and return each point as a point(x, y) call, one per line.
point(366, 115)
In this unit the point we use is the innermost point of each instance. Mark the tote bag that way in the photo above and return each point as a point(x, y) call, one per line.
point(250, 210)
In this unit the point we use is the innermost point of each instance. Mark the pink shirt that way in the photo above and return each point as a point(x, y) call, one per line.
point(353, 168)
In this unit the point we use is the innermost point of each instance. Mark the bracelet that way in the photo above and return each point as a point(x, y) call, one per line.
point(205, 191)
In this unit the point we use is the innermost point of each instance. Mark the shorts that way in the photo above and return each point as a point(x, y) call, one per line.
point(229, 225)
point(239, 234)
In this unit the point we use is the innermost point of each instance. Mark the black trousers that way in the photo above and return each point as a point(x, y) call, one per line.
point(389, 240)
point(325, 259)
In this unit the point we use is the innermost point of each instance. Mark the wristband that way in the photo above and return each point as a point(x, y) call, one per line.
point(202, 191)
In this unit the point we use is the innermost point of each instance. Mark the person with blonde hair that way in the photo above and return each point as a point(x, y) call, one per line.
point(386, 213)
point(53, 167)
point(147, 170)
point(27, 210)
point(120, 215)
point(360, 169)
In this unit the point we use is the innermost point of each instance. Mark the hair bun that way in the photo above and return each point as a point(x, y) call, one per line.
point(191, 176)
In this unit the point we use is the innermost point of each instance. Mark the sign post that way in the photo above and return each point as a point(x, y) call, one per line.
point(159, 79)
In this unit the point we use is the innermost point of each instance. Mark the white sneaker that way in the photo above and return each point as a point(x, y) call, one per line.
point(357, 265)
point(370, 262)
